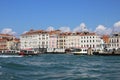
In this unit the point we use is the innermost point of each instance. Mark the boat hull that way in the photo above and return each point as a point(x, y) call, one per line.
point(31, 54)
point(106, 54)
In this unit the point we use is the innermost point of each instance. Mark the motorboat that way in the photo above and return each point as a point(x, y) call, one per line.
point(27, 53)
point(79, 51)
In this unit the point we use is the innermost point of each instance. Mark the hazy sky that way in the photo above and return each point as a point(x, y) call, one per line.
point(18, 16)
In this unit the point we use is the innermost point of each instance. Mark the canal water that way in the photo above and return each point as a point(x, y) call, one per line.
point(60, 67)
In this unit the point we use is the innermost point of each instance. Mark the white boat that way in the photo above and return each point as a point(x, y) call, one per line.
point(79, 51)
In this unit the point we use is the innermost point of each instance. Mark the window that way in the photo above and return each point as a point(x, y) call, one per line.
point(117, 40)
point(87, 40)
point(90, 40)
point(87, 45)
point(84, 45)
point(81, 45)
point(81, 41)
point(90, 45)
point(117, 45)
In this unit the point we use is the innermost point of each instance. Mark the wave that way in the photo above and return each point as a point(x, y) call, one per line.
point(7, 56)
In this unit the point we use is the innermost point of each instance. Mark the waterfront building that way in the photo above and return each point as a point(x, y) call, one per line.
point(13, 44)
point(61, 40)
point(72, 40)
point(8, 42)
point(115, 41)
point(106, 39)
point(34, 39)
point(89, 40)
point(53, 38)
point(3, 44)
point(79, 40)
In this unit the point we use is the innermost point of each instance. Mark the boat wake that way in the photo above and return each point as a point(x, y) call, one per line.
point(7, 56)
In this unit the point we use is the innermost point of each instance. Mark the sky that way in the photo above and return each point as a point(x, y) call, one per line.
point(19, 16)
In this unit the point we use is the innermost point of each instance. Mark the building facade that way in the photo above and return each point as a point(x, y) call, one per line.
point(89, 40)
point(34, 39)
point(9, 42)
point(61, 40)
point(53, 38)
point(115, 41)
point(78, 40)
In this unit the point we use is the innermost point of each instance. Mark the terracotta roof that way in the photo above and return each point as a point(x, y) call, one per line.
point(58, 32)
point(87, 34)
point(17, 40)
point(5, 35)
point(3, 39)
point(41, 32)
point(54, 32)
point(76, 33)
point(34, 32)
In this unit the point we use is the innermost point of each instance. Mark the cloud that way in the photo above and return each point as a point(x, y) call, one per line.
point(82, 27)
point(116, 26)
point(65, 29)
point(100, 29)
point(50, 28)
point(25, 32)
point(8, 31)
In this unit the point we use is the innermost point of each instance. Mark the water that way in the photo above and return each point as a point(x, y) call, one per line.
point(60, 67)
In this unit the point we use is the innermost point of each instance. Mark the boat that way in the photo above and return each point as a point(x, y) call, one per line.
point(9, 52)
point(18, 53)
point(111, 52)
point(27, 53)
point(79, 51)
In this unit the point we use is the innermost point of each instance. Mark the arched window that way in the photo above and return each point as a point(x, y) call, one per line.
point(117, 40)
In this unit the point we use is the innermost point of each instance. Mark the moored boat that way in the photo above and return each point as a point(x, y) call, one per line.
point(112, 52)
point(9, 52)
point(21, 52)
point(79, 51)
point(27, 53)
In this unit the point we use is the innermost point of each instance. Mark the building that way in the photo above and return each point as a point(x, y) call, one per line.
point(106, 39)
point(53, 38)
point(78, 40)
point(3, 44)
point(72, 40)
point(61, 40)
point(34, 39)
point(8, 42)
point(115, 41)
point(89, 40)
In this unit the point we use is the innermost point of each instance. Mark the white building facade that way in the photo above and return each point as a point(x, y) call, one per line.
point(34, 39)
point(72, 40)
point(115, 41)
point(89, 40)
point(82, 40)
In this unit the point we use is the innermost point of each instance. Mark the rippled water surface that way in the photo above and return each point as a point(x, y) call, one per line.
point(60, 67)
